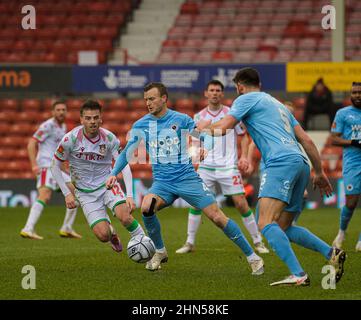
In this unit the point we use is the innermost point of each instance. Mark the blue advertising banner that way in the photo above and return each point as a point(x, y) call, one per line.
point(176, 78)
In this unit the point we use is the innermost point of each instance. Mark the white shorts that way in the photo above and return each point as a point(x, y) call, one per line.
point(45, 179)
point(230, 181)
point(94, 203)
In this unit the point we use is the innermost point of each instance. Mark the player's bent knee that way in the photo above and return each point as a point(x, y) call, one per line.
point(103, 236)
point(102, 232)
point(148, 211)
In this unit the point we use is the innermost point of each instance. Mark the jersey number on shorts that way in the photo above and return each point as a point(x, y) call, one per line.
point(117, 190)
point(237, 180)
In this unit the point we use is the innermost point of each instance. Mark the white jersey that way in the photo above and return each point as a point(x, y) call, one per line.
point(48, 135)
point(225, 153)
point(90, 160)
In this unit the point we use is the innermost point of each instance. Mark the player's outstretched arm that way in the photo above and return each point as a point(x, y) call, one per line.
point(320, 179)
point(218, 128)
point(122, 161)
point(55, 169)
point(337, 140)
point(128, 181)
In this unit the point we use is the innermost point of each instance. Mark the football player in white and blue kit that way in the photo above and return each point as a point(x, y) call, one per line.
point(346, 132)
point(165, 133)
point(285, 175)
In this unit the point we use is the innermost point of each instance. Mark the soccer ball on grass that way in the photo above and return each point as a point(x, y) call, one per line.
point(140, 248)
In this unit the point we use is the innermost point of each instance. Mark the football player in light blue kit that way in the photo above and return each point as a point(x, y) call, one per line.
point(285, 176)
point(165, 133)
point(346, 132)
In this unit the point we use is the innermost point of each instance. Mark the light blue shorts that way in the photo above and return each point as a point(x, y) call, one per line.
point(193, 190)
point(352, 182)
point(286, 180)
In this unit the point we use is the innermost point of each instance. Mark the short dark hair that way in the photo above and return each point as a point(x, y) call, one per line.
point(90, 105)
point(247, 76)
point(356, 83)
point(215, 83)
point(160, 86)
point(57, 102)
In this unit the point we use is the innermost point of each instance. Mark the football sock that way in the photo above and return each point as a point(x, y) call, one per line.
point(234, 233)
point(111, 231)
point(135, 228)
point(194, 221)
point(253, 257)
point(152, 225)
point(69, 219)
point(307, 239)
point(257, 212)
point(34, 215)
point(251, 225)
point(279, 242)
point(346, 215)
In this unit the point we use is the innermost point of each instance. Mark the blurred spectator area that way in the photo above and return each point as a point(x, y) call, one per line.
point(233, 31)
point(19, 119)
point(63, 28)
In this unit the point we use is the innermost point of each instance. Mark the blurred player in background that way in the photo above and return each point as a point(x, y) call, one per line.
point(286, 172)
point(165, 133)
point(220, 167)
point(41, 148)
point(346, 132)
point(90, 151)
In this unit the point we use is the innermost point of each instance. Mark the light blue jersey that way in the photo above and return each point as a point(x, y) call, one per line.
point(270, 125)
point(348, 123)
point(166, 143)
point(284, 168)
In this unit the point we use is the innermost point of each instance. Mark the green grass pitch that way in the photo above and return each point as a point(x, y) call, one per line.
point(88, 269)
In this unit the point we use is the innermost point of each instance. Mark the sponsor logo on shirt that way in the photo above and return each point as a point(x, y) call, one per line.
point(174, 127)
point(102, 149)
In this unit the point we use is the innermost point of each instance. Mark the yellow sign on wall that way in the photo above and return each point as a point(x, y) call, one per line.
point(338, 76)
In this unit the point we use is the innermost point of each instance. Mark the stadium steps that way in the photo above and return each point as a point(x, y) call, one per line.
point(145, 34)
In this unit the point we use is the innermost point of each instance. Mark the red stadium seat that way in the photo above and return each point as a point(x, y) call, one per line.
point(9, 105)
point(202, 103)
point(4, 128)
point(118, 104)
point(74, 104)
point(222, 56)
point(31, 105)
point(45, 115)
point(17, 166)
point(28, 117)
point(14, 141)
point(73, 115)
point(184, 104)
point(189, 7)
point(137, 104)
point(8, 116)
point(21, 154)
point(21, 129)
point(166, 58)
point(8, 154)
